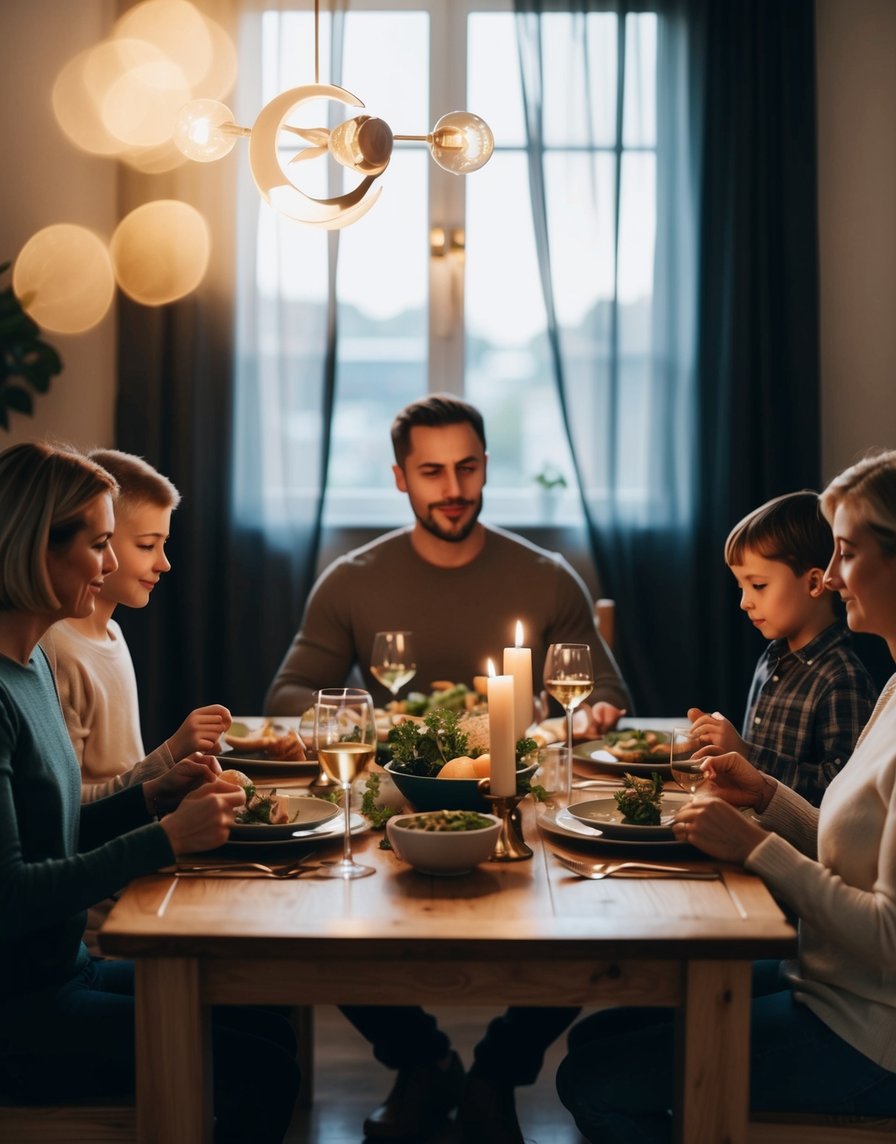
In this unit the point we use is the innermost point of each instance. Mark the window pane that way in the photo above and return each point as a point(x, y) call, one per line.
point(493, 84)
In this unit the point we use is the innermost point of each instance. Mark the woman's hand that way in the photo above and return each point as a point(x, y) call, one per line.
point(718, 829)
point(715, 731)
point(739, 782)
point(204, 818)
point(166, 792)
point(604, 717)
point(200, 731)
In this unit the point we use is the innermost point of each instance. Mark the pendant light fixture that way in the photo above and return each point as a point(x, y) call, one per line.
point(460, 142)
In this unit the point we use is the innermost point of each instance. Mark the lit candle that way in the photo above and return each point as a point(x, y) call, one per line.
point(518, 663)
point(501, 739)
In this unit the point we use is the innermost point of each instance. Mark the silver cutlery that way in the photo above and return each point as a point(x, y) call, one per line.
point(291, 870)
point(599, 870)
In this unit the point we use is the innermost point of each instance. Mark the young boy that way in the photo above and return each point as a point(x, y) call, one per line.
point(94, 670)
point(810, 696)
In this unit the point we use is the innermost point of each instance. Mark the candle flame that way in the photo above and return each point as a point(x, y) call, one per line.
point(519, 633)
point(491, 669)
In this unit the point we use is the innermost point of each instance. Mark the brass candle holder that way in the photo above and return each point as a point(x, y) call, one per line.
point(510, 846)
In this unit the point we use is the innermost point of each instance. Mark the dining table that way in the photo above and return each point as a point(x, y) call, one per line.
point(526, 932)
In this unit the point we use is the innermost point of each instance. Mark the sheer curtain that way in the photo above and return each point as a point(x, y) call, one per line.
point(688, 411)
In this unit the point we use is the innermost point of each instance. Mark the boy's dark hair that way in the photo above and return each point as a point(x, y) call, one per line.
point(433, 412)
point(790, 529)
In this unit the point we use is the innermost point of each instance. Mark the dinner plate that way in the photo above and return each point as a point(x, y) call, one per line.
point(327, 831)
point(561, 824)
point(595, 753)
point(305, 813)
point(297, 768)
point(603, 814)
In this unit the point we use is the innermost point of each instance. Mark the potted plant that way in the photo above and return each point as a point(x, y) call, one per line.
point(549, 481)
point(25, 359)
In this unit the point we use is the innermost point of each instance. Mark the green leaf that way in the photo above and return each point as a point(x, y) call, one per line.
point(14, 397)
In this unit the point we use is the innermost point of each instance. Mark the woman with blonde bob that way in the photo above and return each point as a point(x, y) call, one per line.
point(823, 1034)
point(67, 1019)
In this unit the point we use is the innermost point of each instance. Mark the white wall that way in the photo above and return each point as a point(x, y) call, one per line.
point(857, 212)
point(46, 180)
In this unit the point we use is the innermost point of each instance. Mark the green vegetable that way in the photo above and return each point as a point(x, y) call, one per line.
point(425, 750)
point(525, 747)
point(378, 815)
point(640, 800)
point(448, 821)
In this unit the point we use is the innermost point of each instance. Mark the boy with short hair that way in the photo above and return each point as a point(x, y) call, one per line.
point(94, 671)
point(811, 695)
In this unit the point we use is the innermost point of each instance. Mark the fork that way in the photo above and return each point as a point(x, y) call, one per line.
point(598, 870)
point(291, 870)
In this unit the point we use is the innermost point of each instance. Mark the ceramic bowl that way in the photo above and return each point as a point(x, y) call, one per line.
point(445, 794)
point(445, 852)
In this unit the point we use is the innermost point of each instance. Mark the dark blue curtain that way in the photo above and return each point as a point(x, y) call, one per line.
point(733, 413)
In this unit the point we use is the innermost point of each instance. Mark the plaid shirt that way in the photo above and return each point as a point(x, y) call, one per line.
point(806, 709)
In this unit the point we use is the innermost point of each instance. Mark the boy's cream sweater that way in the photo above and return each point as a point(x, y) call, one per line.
point(836, 866)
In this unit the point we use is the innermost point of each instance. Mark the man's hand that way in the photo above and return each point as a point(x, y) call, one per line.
point(200, 731)
point(715, 731)
point(604, 718)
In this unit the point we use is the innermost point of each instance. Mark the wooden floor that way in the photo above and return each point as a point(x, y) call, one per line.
point(349, 1083)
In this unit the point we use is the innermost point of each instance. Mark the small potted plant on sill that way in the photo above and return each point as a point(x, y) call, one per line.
point(549, 481)
point(25, 359)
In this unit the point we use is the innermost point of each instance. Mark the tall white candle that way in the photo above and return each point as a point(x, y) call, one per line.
point(501, 739)
point(518, 663)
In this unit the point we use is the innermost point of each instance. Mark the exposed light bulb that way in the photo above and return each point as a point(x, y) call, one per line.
point(362, 144)
point(461, 142)
point(202, 131)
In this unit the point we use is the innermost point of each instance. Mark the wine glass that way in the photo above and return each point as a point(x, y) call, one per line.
point(686, 770)
point(392, 660)
point(345, 740)
point(569, 678)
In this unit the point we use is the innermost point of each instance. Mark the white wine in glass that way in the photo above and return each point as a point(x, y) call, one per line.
point(686, 771)
point(569, 678)
point(345, 741)
point(392, 660)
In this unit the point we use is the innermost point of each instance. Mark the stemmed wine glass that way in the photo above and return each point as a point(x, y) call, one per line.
point(345, 740)
point(569, 678)
point(686, 770)
point(393, 659)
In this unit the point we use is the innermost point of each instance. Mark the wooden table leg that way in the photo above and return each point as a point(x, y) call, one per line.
point(174, 1075)
point(713, 1053)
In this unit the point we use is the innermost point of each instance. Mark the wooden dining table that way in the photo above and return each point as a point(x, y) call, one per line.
point(508, 933)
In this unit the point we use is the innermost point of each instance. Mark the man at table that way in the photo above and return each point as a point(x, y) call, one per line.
point(460, 586)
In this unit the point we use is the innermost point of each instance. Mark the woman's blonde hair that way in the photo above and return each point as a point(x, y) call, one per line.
point(44, 490)
point(870, 487)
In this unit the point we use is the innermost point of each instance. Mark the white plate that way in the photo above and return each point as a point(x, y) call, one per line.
point(603, 814)
point(562, 824)
point(358, 824)
point(594, 753)
point(232, 756)
point(305, 813)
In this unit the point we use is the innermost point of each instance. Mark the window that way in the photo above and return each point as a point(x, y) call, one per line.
point(470, 320)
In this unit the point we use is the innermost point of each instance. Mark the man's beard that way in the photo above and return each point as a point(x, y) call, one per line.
point(431, 527)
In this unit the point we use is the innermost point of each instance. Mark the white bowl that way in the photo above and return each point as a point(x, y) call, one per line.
point(442, 851)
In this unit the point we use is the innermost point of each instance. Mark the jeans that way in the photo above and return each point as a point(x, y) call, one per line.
point(511, 1052)
point(78, 1041)
point(618, 1079)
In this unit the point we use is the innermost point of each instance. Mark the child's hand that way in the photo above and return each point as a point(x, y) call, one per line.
point(715, 731)
point(200, 731)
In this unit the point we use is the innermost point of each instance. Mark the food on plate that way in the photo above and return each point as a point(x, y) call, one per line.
point(640, 799)
point(237, 778)
point(283, 744)
point(443, 693)
point(447, 821)
point(632, 746)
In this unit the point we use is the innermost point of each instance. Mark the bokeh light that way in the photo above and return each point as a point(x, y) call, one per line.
point(63, 278)
point(178, 31)
point(160, 252)
point(140, 107)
